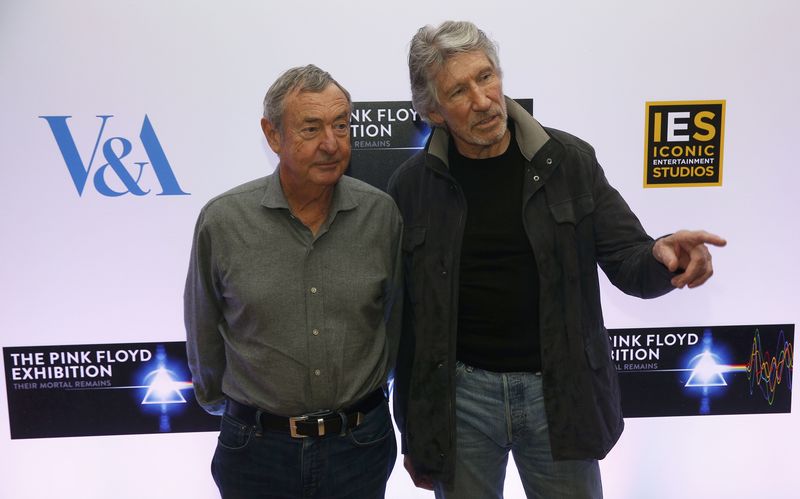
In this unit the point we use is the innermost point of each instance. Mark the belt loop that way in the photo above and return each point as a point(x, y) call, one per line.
point(344, 419)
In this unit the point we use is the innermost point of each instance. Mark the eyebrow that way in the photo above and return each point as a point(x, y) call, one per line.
point(316, 119)
point(481, 71)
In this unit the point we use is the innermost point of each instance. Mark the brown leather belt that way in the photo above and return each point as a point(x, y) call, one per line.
point(315, 424)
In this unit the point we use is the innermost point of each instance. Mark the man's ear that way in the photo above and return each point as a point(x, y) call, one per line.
point(272, 134)
point(436, 118)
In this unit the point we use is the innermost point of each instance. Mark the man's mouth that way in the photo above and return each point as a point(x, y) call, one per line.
point(490, 120)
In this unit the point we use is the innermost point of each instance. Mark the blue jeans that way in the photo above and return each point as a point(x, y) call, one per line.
point(249, 465)
point(501, 412)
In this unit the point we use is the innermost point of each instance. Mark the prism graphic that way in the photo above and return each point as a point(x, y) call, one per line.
point(163, 389)
point(706, 371)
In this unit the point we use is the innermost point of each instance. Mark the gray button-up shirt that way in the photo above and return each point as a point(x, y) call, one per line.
point(280, 319)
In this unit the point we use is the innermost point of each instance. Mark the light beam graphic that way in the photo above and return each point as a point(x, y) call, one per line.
point(707, 369)
point(163, 389)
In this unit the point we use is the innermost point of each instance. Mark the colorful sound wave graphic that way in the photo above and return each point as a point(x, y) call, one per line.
point(766, 371)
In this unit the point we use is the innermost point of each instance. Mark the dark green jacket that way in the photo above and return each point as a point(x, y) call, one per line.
point(575, 221)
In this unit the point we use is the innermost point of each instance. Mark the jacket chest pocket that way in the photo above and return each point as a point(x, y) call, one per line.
point(574, 236)
point(572, 211)
point(574, 231)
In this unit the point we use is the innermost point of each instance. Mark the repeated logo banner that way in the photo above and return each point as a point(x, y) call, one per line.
point(113, 389)
point(113, 177)
point(704, 370)
point(384, 134)
point(683, 143)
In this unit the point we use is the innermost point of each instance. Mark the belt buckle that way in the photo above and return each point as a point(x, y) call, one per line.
point(319, 416)
point(293, 426)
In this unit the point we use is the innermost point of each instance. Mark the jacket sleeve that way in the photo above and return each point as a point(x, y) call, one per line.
point(624, 250)
point(203, 318)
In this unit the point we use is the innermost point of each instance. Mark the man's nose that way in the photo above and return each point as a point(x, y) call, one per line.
point(480, 100)
point(329, 144)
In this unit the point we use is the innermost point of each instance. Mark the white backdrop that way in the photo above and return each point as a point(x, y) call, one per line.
point(94, 269)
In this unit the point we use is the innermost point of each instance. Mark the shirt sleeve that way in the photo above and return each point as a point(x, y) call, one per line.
point(202, 306)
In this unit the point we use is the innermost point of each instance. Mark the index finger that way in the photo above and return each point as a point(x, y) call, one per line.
point(704, 237)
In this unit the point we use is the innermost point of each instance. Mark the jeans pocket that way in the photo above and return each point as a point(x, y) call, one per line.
point(376, 427)
point(462, 369)
point(233, 434)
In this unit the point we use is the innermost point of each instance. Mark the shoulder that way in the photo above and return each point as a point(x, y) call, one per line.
point(409, 167)
point(367, 195)
point(234, 200)
point(362, 191)
point(571, 143)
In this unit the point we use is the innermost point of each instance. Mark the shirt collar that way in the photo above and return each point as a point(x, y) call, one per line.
point(343, 198)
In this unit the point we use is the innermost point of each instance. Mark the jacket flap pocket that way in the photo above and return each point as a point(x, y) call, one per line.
point(598, 350)
point(572, 210)
point(413, 237)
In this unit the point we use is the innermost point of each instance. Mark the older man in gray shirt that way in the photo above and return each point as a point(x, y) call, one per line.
point(291, 307)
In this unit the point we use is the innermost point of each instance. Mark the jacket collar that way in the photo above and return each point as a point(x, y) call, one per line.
point(530, 135)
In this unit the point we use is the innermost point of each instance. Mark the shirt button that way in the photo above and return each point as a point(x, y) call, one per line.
point(317, 372)
point(315, 332)
point(549, 161)
point(313, 290)
point(536, 178)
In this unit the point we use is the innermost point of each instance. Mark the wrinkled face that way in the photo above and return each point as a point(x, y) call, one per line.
point(314, 144)
point(471, 105)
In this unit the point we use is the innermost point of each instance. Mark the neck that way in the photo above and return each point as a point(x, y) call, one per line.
point(310, 203)
point(482, 152)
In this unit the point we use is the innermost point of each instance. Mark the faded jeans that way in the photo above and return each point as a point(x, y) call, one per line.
point(498, 413)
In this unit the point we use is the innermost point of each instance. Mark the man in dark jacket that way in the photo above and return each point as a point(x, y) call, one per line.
point(503, 345)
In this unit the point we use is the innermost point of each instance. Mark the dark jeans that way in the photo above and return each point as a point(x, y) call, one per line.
point(248, 465)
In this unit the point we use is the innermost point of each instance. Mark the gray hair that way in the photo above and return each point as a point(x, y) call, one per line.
point(429, 51)
point(308, 78)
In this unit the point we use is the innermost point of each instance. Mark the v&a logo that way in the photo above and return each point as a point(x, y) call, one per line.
point(114, 149)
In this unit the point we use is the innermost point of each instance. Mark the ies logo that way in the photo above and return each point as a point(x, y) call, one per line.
point(683, 143)
point(114, 150)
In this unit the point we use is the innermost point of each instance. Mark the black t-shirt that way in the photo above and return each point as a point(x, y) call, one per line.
point(498, 312)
